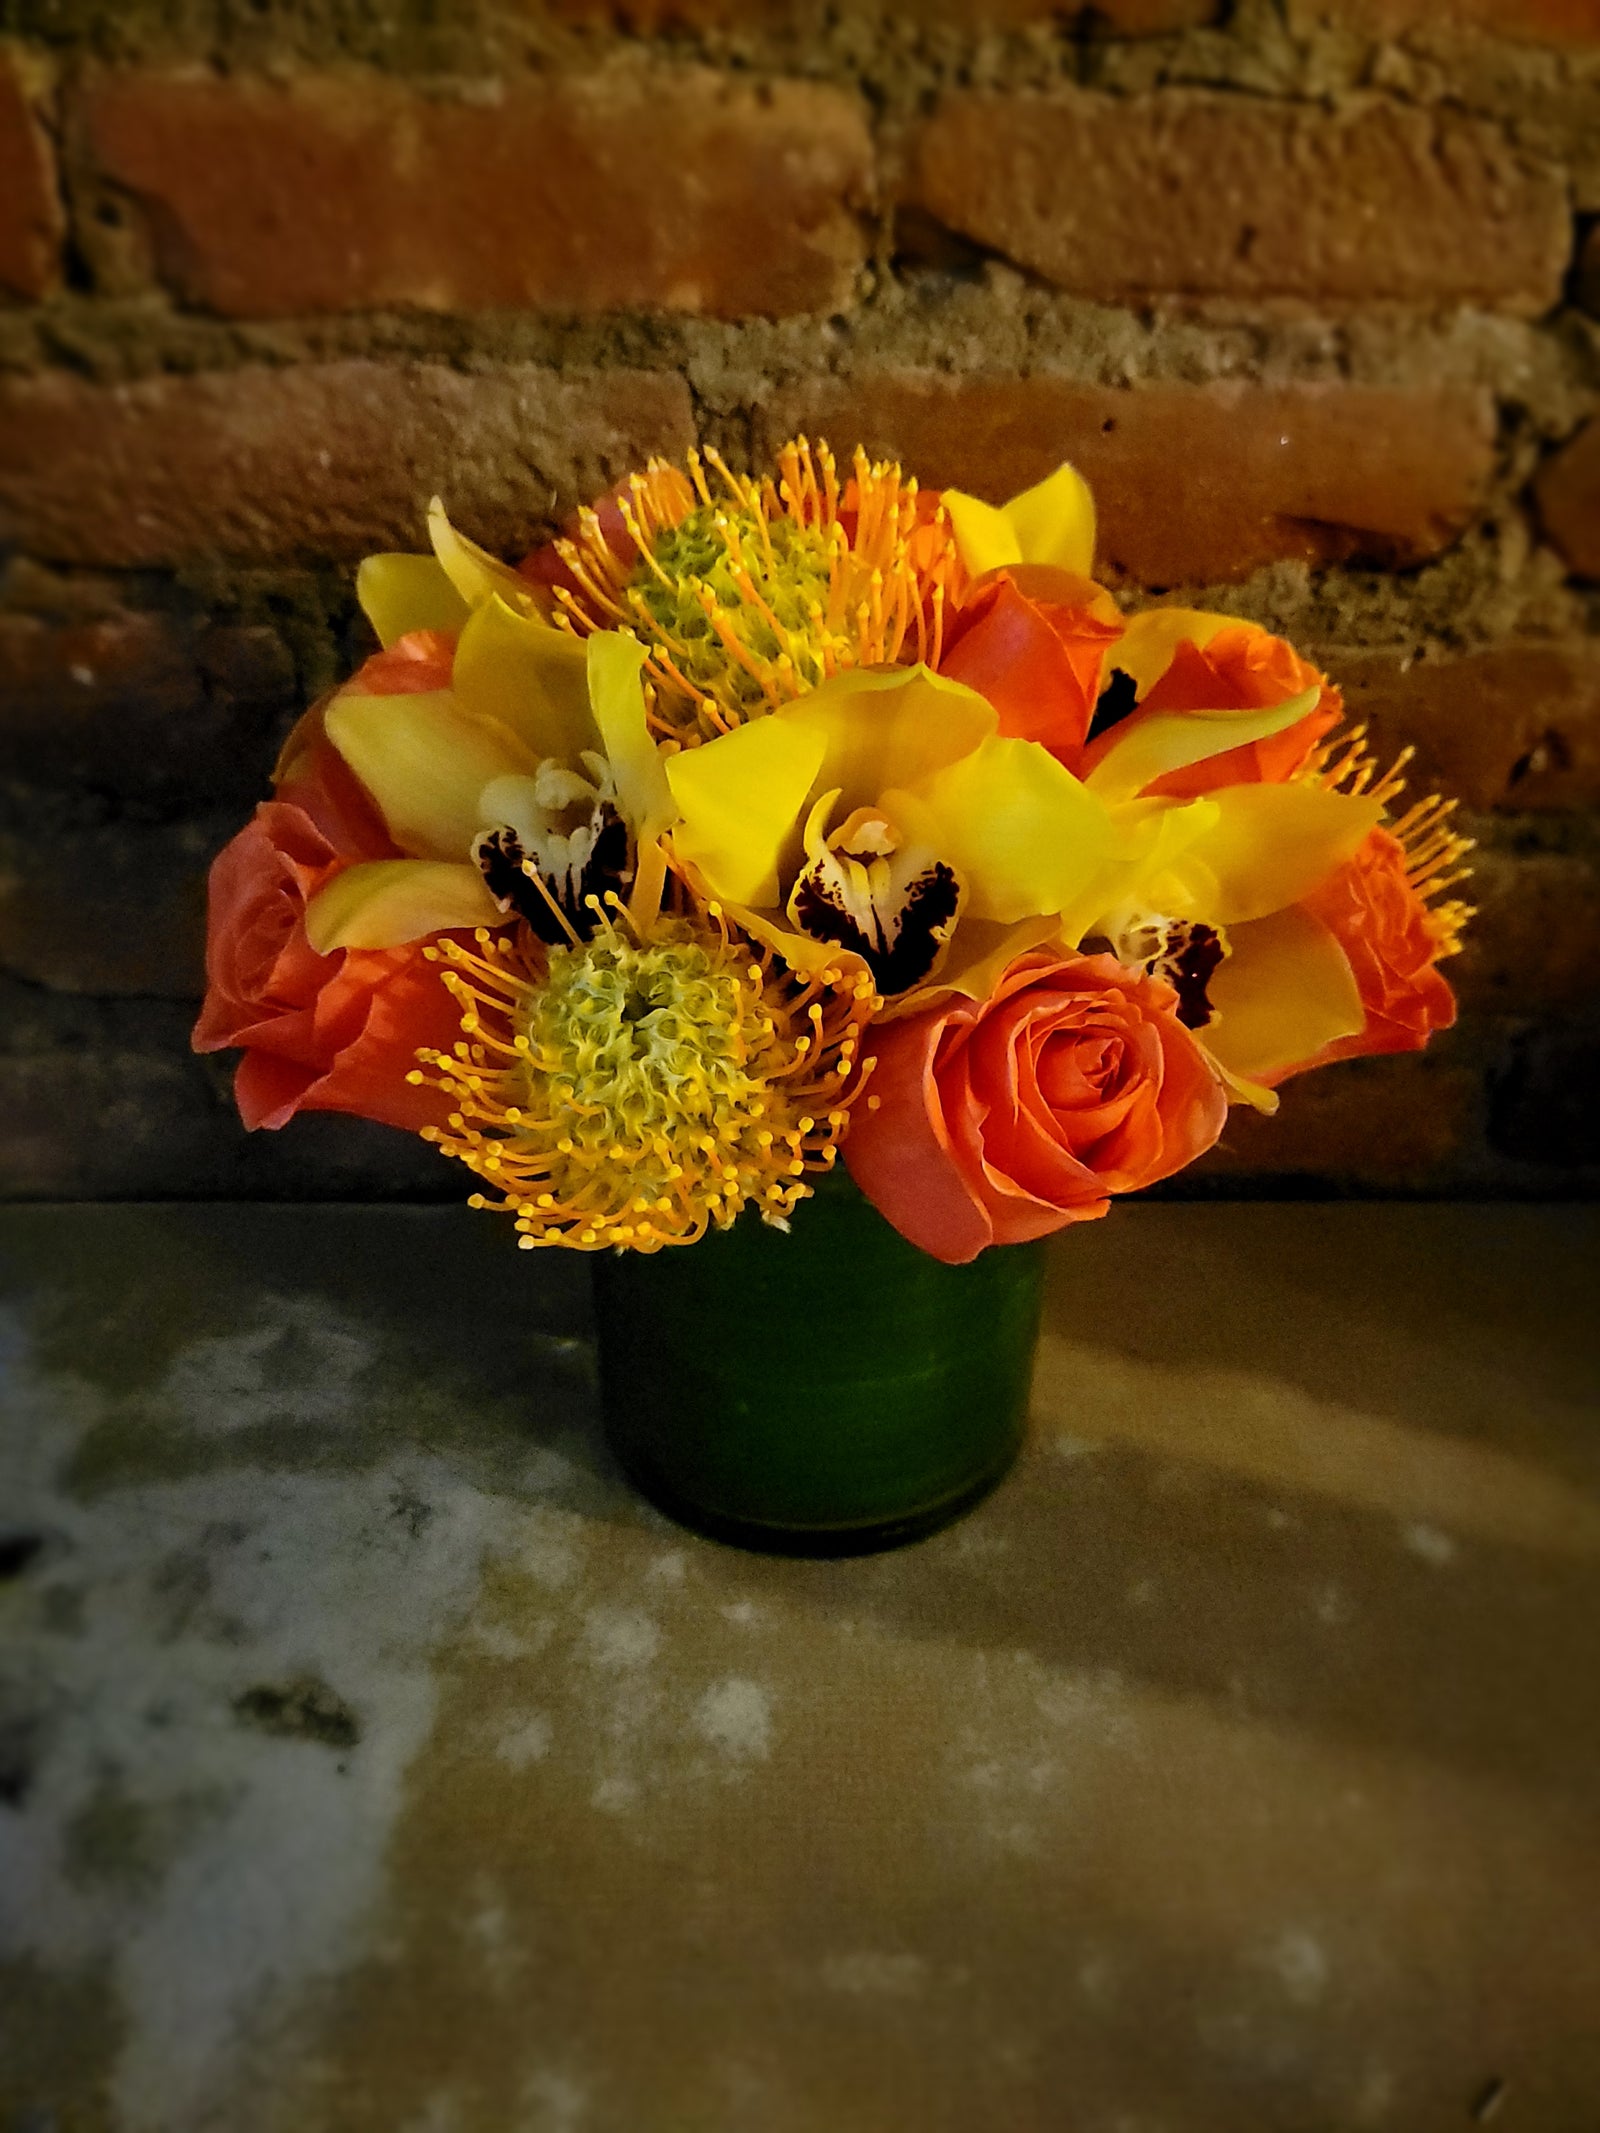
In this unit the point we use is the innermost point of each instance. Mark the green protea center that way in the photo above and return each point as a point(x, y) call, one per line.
point(747, 597)
point(740, 605)
point(632, 1092)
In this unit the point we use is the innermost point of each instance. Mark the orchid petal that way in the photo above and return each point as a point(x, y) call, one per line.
point(886, 727)
point(1022, 832)
point(614, 671)
point(740, 799)
point(1053, 522)
point(985, 538)
point(1155, 633)
point(475, 573)
point(1154, 746)
point(803, 952)
point(382, 903)
point(401, 593)
point(529, 677)
point(980, 950)
point(1152, 838)
point(425, 761)
point(1269, 846)
point(1284, 991)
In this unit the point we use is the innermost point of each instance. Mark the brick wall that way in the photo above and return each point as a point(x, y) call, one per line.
point(1308, 288)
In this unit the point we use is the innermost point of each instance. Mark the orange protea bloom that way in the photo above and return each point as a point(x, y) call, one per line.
point(1388, 910)
point(748, 593)
point(634, 1089)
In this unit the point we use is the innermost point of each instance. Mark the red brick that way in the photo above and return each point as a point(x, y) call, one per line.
point(1195, 484)
point(30, 205)
point(1586, 275)
point(1376, 1123)
point(1189, 194)
point(1568, 495)
point(328, 460)
point(115, 912)
point(677, 188)
point(1113, 18)
point(146, 706)
point(1543, 1108)
point(1557, 22)
point(1534, 945)
point(1515, 726)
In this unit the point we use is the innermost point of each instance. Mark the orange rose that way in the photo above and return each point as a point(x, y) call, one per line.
point(1385, 930)
point(991, 1122)
point(414, 664)
point(1241, 668)
point(1033, 641)
point(333, 1032)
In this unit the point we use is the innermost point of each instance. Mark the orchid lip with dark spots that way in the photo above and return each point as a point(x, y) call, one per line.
point(899, 947)
point(558, 900)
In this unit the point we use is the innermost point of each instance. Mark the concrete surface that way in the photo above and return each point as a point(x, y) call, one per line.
point(372, 1762)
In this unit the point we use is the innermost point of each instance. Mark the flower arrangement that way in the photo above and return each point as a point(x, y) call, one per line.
point(760, 824)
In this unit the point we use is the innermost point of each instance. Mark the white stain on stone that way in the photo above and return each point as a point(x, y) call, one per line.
point(1330, 1605)
point(1066, 1446)
point(735, 1717)
point(548, 1547)
point(669, 1569)
point(614, 1795)
point(1431, 1543)
point(873, 1973)
point(743, 1614)
point(619, 1637)
point(554, 2103)
point(301, 1366)
point(1300, 1964)
point(441, 2113)
point(304, 1576)
point(524, 1742)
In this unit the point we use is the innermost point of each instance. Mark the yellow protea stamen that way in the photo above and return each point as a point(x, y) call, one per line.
point(747, 594)
point(1433, 848)
point(637, 1090)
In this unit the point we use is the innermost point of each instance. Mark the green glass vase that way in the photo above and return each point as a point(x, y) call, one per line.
point(825, 1392)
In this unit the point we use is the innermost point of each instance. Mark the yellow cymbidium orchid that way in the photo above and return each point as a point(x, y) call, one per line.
point(537, 757)
point(1053, 522)
point(1209, 889)
point(401, 593)
point(882, 816)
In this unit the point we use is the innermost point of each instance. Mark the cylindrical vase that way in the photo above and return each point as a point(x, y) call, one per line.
point(827, 1391)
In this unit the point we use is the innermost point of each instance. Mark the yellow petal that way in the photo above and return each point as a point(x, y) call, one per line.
point(1054, 521)
point(1284, 991)
point(400, 593)
point(1172, 741)
point(985, 537)
point(614, 667)
point(529, 677)
point(1021, 831)
point(382, 903)
point(1270, 845)
point(979, 952)
point(740, 798)
point(425, 761)
point(887, 727)
point(475, 573)
point(1155, 633)
point(1152, 838)
point(801, 951)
